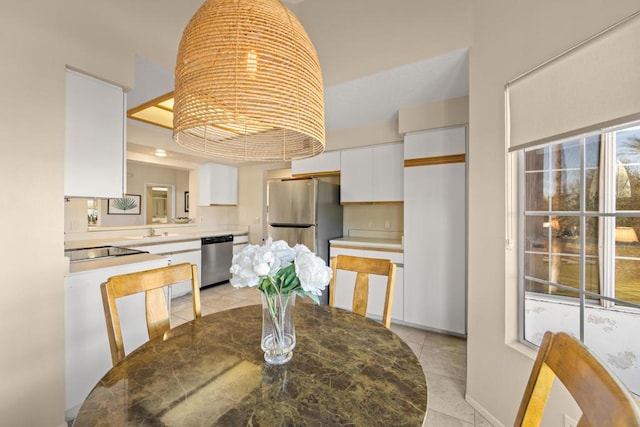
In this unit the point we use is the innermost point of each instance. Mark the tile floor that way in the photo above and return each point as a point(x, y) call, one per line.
point(443, 357)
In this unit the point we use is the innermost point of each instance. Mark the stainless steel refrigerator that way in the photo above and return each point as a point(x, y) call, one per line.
point(305, 211)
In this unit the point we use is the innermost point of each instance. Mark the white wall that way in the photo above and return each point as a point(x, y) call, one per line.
point(40, 39)
point(508, 38)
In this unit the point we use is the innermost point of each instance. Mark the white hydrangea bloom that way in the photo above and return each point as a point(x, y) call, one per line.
point(255, 263)
point(313, 273)
point(242, 271)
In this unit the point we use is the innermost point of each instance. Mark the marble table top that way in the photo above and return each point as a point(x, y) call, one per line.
point(346, 370)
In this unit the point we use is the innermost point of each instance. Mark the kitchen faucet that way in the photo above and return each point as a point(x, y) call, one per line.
point(152, 232)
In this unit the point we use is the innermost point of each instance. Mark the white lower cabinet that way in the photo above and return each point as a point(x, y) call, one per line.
point(377, 284)
point(87, 352)
point(177, 253)
point(239, 243)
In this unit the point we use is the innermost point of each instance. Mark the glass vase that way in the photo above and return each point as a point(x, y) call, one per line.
point(278, 329)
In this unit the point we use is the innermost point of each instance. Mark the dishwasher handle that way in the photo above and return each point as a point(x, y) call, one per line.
point(217, 239)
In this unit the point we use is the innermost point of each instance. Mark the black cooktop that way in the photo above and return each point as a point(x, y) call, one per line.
point(89, 254)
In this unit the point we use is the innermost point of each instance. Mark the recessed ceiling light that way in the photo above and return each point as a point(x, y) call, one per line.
point(160, 152)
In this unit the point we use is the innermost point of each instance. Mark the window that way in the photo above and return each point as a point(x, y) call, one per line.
point(579, 249)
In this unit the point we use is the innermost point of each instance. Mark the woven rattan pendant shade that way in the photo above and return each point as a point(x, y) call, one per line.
point(248, 84)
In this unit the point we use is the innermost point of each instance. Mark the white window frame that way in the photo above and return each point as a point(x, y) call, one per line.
point(607, 215)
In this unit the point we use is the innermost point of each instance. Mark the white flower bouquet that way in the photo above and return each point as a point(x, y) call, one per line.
point(277, 268)
point(280, 272)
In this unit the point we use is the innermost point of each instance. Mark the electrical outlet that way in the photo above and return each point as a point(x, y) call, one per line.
point(370, 223)
point(201, 219)
point(387, 223)
point(569, 422)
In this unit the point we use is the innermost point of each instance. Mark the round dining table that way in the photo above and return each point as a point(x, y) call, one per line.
point(347, 370)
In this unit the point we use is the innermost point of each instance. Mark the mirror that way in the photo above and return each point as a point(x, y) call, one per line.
point(160, 203)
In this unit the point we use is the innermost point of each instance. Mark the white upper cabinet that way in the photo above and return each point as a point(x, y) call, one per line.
point(356, 171)
point(388, 171)
point(95, 138)
point(372, 174)
point(218, 185)
point(322, 164)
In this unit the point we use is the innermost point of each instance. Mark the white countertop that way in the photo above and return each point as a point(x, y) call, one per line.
point(368, 242)
point(82, 266)
point(137, 238)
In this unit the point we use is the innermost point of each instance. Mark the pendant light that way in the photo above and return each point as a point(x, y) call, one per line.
point(248, 84)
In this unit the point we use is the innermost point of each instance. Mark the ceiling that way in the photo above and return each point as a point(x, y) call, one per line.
point(352, 104)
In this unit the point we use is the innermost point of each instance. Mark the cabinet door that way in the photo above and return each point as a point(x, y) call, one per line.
point(345, 280)
point(218, 185)
point(87, 353)
point(94, 138)
point(356, 170)
point(325, 163)
point(378, 286)
point(388, 169)
point(372, 174)
point(192, 257)
point(435, 236)
point(239, 243)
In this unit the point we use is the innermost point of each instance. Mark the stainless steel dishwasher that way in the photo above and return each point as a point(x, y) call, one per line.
point(217, 252)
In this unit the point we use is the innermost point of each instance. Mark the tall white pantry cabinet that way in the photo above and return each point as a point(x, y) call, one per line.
point(435, 229)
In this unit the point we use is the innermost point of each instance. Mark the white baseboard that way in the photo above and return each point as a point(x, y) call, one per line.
point(478, 407)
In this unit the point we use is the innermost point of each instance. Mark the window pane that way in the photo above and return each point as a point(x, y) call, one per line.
point(537, 266)
point(592, 187)
point(628, 169)
point(567, 229)
point(536, 231)
point(565, 191)
point(627, 260)
point(537, 160)
point(591, 235)
point(566, 155)
point(592, 152)
point(628, 280)
point(537, 184)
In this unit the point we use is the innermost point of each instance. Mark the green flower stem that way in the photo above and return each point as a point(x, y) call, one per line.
point(273, 299)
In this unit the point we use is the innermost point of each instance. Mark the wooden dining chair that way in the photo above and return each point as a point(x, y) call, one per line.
point(151, 282)
point(364, 267)
point(604, 401)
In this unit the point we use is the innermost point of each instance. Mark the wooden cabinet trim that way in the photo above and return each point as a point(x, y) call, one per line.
point(373, 203)
point(437, 160)
point(314, 174)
